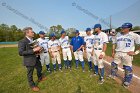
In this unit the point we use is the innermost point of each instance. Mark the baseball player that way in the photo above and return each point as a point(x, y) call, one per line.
point(77, 44)
point(64, 42)
point(123, 51)
point(89, 40)
point(100, 45)
point(44, 55)
point(54, 49)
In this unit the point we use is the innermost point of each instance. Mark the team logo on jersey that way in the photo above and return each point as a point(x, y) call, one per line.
point(54, 44)
point(64, 41)
point(124, 39)
point(43, 43)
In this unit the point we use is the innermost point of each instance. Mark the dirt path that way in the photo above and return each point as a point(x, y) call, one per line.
point(135, 84)
point(8, 45)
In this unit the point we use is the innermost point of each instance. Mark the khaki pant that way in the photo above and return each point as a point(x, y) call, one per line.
point(56, 57)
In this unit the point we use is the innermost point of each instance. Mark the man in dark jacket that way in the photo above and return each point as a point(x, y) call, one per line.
point(30, 60)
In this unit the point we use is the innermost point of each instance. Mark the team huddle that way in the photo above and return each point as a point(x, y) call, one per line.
point(95, 47)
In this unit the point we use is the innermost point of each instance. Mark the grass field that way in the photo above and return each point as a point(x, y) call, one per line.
point(13, 78)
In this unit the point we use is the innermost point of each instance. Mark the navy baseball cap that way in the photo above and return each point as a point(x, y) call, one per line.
point(126, 25)
point(52, 35)
point(88, 29)
point(63, 32)
point(77, 31)
point(97, 26)
point(41, 32)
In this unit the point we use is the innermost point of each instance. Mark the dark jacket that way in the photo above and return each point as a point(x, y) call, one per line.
point(29, 57)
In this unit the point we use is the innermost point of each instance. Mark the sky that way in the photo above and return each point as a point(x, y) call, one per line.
point(41, 14)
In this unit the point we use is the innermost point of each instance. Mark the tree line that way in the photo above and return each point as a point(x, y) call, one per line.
point(13, 33)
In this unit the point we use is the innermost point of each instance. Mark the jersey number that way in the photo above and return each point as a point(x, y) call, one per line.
point(127, 44)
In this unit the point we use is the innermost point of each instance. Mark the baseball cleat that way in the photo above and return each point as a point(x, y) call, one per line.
point(126, 84)
point(83, 70)
point(111, 76)
point(101, 81)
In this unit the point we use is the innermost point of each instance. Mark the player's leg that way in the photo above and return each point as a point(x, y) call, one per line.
point(128, 75)
point(114, 65)
point(47, 61)
point(54, 61)
point(101, 70)
point(42, 59)
point(80, 56)
point(65, 58)
point(95, 64)
point(69, 58)
point(76, 58)
point(100, 67)
point(127, 62)
point(89, 58)
point(58, 57)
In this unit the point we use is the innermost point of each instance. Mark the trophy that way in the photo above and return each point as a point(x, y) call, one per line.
point(35, 44)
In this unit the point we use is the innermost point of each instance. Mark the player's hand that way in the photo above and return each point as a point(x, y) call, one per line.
point(52, 55)
point(60, 52)
point(37, 49)
point(113, 54)
point(131, 53)
point(92, 53)
point(78, 49)
point(101, 56)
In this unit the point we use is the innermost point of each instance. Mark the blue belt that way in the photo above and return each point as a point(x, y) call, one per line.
point(89, 47)
point(65, 47)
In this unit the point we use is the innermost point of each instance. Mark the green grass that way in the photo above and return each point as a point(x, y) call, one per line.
point(13, 78)
point(136, 60)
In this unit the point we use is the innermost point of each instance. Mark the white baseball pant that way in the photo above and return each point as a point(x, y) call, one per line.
point(67, 53)
point(124, 58)
point(44, 58)
point(89, 52)
point(78, 55)
point(98, 62)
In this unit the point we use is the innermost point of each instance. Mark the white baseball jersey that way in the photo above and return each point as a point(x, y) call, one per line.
point(89, 40)
point(43, 43)
point(100, 39)
point(54, 45)
point(64, 42)
point(126, 43)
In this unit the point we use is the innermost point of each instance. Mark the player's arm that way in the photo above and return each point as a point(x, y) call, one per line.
point(59, 47)
point(82, 42)
point(71, 45)
point(113, 50)
point(50, 52)
point(137, 41)
point(105, 41)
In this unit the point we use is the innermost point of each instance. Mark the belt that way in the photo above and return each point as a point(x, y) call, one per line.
point(45, 52)
point(65, 47)
point(55, 51)
point(98, 48)
point(89, 47)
